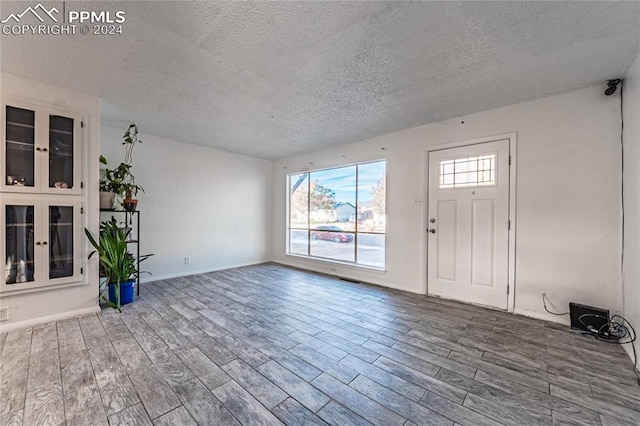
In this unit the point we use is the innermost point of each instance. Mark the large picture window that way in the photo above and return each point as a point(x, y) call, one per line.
point(339, 214)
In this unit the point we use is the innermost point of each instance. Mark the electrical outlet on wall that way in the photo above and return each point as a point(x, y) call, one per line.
point(4, 314)
point(418, 202)
point(187, 260)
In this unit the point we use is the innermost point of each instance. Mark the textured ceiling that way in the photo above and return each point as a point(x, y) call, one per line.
point(272, 79)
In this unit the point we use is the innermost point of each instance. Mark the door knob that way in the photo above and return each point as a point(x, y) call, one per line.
point(433, 231)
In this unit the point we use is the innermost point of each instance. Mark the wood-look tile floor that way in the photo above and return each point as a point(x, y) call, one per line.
point(266, 345)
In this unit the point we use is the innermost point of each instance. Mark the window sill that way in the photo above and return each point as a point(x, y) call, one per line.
point(324, 261)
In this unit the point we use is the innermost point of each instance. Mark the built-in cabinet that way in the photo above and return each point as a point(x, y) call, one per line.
point(41, 196)
point(42, 149)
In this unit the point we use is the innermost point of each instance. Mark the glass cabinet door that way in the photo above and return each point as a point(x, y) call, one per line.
point(19, 248)
point(61, 152)
point(61, 241)
point(20, 147)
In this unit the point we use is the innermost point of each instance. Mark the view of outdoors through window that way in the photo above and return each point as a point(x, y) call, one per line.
point(339, 213)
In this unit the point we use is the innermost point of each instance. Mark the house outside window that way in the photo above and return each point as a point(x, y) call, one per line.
point(339, 214)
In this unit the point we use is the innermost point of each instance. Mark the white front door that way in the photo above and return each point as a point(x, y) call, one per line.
point(468, 223)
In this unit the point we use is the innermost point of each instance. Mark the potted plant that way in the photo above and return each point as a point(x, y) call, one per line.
point(129, 191)
point(109, 187)
point(117, 265)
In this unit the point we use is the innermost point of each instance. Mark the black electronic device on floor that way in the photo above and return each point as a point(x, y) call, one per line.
point(588, 318)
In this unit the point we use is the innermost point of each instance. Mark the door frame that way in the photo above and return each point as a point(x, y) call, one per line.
point(511, 277)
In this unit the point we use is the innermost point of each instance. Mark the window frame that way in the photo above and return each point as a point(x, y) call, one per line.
point(355, 232)
point(478, 183)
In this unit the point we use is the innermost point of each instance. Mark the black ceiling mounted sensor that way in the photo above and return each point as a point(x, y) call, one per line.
point(612, 85)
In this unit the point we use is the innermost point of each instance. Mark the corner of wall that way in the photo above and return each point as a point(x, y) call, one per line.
point(631, 198)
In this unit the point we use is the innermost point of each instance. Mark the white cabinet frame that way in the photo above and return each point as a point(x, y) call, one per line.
point(41, 236)
point(42, 149)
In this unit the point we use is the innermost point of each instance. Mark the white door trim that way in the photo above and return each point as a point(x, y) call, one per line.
point(512, 206)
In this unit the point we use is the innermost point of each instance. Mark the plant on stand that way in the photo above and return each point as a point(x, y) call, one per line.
point(109, 187)
point(117, 265)
point(129, 189)
point(121, 181)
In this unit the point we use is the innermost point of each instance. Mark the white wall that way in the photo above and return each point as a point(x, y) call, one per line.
point(568, 198)
point(631, 272)
point(211, 205)
point(56, 303)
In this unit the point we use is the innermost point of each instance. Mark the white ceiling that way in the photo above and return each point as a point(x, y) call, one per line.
point(274, 79)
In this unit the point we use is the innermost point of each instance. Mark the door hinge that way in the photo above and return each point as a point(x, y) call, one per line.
point(507, 290)
point(81, 210)
point(509, 225)
point(81, 271)
point(509, 160)
point(81, 185)
point(82, 124)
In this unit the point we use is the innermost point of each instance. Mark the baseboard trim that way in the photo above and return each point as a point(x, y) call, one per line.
point(202, 271)
point(48, 318)
point(564, 320)
point(320, 270)
point(629, 351)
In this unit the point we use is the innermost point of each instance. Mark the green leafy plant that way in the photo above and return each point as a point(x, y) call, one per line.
point(129, 186)
point(117, 264)
point(108, 182)
point(121, 180)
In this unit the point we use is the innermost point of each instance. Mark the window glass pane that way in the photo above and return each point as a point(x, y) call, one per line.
point(299, 241)
point(20, 146)
point(60, 152)
point(372, 193)
point(19, 247)
point(371, 249)
point(333, 198)
point(446, 181)
point(299, 201)
point(60, 241)
point(468, 172)
point(328, 241)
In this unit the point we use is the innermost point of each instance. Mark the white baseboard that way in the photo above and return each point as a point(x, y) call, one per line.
point(152, 278)
point(564, 320)
point(49, 318)
point(629, 352)
point(322, 270)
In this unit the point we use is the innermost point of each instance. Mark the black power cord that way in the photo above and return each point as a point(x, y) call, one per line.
point(616, 330)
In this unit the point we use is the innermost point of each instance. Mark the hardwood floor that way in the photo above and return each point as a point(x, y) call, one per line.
point(266, 345)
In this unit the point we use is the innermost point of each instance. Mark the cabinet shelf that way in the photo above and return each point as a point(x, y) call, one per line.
point(60, 259)
point(59, 155)
point(118, 211)
point(27, 262)
point(62, 132)
point(19, 143)
point(15, 123)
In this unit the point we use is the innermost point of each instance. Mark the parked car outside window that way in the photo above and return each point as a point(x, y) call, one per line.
point(330, 233)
